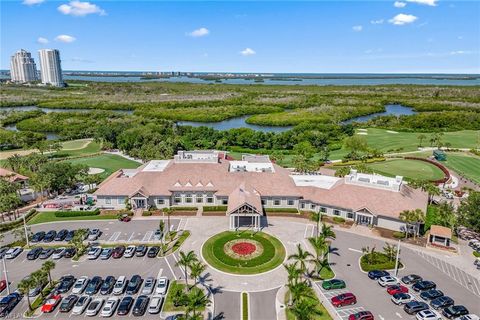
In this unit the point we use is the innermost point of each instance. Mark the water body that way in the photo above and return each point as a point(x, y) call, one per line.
point(234, 123)
point(49, 135)
point(390, 109)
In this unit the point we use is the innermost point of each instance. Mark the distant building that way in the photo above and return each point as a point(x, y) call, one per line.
point(22, 67)
point(51, 70)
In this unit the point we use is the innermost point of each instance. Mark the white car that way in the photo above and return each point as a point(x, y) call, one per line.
point(402, 298)
point(12, 253)
point(80, 285)
point(94, 307)
point(428, 315)
point(109, 307)
point(387, 281)
point(470, 316)
point(58, 253)
point(94, 253)
point(162, 286)
point(129, 251)
point(81, 305)
point(155, 304)
point(149, 285)
point(157, 235)
point(120, 285)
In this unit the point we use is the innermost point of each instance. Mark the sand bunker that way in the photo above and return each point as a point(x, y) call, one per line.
point(95, 170)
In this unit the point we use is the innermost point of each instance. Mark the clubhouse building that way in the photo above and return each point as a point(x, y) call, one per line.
point(255, 185)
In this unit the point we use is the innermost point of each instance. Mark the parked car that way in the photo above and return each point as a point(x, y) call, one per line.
point(130, 251)
point(157, 235)
point(162, 286)
point(134, 284)
point(12, 253)
point(118, 252)
point(66, 283)
point(411, 279)
point(94, 253)
point(377, 274)
point(424, 285)
point(431, 294)
point(362, 315)
point(110, 306)
point(38, 236)
point(46, 253)
point(33, 292)
point(94, 307)
point(140, 306)
point(106, 253)
point(125, 306)
point(58, 253)
point(70, 252)
point(413, 307)
point(124, 218)
point(387, 281)
point(453, 312)
point(8, 303)
point(94, 285)
point(141, 250)
point(427, 315)
point(333, 284)
point(51, 303)
point(153, 251)
point(3, 285)
point(70, 235)
point(61, 235)
point(80, 285)
point(120, 285)
point(155, 304)
point(469, 317)
point(442, 302)
point(3, 251)
point(34, 253)
point(396, 289)
point(402, 298)
point(93, 234)
point(149, 285)
point(49, 236)
point(107, 285)
point(81, 305)
point(344, 299)
point(68, 303)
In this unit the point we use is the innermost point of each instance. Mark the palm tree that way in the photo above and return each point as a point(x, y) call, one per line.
point(301, 258)
point(186, 260)
point(47, 267)
point(320, 264)
point(327, 232)
point(293, 273)
point(161, 227)
point(305, 310)
point(297, 291)
point(421, 137)
point(196, 300)
point(390, 251)
point(320, 245)
point(196, 270)
point(168, 212)
point(412, 217)
point(39, 277)
point(24, 287)
point(316, 217)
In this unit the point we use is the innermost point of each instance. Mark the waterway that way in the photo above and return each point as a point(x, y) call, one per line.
point(390, 109)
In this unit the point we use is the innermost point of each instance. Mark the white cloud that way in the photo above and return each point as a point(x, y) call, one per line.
point(357, 28)
point(247, 52)
point(402, 19)
point(202, 32)
point(399, 4)
point(80, 9)
point(32, 2)
point(42, 40)
point(65, 38)
point(457, 52)
point(431, 3)
point(379, 21)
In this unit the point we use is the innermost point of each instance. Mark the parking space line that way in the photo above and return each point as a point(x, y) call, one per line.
point(115, 236)
point(131, 236)
point(171, 270)
point(147, 236)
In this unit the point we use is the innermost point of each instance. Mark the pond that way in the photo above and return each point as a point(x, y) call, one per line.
point(49, 135)
point(390, 109)
point(234, 123)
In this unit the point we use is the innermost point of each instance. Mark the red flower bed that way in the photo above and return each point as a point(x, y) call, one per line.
point(244, 248)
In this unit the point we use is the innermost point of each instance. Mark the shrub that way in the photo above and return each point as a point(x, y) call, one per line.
point(289, 210)
point(146, 213)
point(380, 261)
point(215, 208)
point(14, 224)
point(338, 220)
point(476, 254)
point(64, 214)
point(184, 208)
point(399, 235)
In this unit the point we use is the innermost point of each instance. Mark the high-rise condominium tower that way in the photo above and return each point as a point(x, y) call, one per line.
point(22, 67)
point(51, 70)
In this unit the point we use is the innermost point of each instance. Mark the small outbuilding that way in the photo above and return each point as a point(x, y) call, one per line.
point(440, 235)
point(439, 155)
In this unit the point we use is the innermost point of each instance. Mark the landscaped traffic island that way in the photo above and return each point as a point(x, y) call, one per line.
point(243, 252)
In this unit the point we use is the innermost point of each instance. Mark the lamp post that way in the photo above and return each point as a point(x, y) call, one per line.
point(5, 272)
point(396, 260)
point(25, 229)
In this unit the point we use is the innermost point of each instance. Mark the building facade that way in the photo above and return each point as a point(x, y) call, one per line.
point(250, 188)
point(50, 67)
point(22, 67)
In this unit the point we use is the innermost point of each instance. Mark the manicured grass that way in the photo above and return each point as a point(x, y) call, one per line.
point(476, 254)
point(75, 144)
point(244, 306)
point(381, 262)
point(326, 273)
point(464, 164)
point(168, 304)
point(43, 217)
point(272, 256)
point(92, 148)
point(430, 217)
point(109, 162)
point(410, 169)
point(324, 315)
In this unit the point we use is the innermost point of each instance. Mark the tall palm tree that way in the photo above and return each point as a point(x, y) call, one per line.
point(39, 277)
point(320, 264)
point(24, 287)
point(47, 267)
point(320, 245)
point(161, 227)
point(196, 270)
point(297, 291)
point(305, 310)
point(300, 258)
point(327, 231)
point(316, 217)
point(168, 212)
point(186, 260)
point(293, 272)
point(196, 300)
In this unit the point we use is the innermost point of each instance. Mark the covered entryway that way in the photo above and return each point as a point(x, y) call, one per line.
point(139, 199)
point(245, 216)
point(364, 217)
point(244, 208)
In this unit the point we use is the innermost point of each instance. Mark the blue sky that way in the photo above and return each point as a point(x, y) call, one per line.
point(427, 36)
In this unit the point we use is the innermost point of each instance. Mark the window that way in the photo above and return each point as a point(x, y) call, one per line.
point(264, 202)
point(160, 201)
point(290, 202)
point(209, 198)
point(312, 206)
point(350, 215)
point(336, 212)
point(108, 200)
point(120, 200)
point(302, 205)
point(224, 201)
point(188, 198)
point(199, 198)
point(276, 202)
point(177, 198)
point(323, 209)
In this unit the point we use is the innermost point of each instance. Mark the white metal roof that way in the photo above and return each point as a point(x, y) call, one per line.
point(156, 165)
point(318, 181)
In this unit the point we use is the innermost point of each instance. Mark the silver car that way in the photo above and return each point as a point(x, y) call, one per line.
point(94, 307)
point(81, 305)
point(155, 304)
point(148, 286)
point(109, 307)
point(80, 285)
point(130, 251)
point(162, 286)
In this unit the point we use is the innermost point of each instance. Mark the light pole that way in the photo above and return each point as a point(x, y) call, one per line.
point(25, 228)
point(396, 260)
point(5, 272)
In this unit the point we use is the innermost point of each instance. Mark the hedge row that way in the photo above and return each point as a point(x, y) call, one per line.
point(354, 162)
point(6, 226)
point(64, 214)
point(215, 208)
point(289, 210)
point(184, 208)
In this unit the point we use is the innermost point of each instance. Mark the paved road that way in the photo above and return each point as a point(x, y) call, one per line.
point(227, 305)
point(262, 304)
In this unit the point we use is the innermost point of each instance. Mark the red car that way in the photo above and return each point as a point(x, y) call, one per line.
point(51, 303)
point(362, 315)
point(124, 218)
point(3, 285)
point(344, 299)
point(118, 252)
point(396, 289)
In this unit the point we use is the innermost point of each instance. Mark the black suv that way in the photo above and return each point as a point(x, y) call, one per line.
point(70, 235)
point(377, 274)
point(37, 237)
point(107, 285)
point(454, 312)
point(66, 283)
point(61, 235)
point(94, 285)
point(34, 253)
point(8, 303)
point(125, 306)
point(140, 306)
point(413, 307)
point(69, 252)
point(424, 285)
point(134, 284)
point(442, 302)
point(68, 303)
point(411, 279)
point(431, 294)
point(153, 251)
point(50, 236)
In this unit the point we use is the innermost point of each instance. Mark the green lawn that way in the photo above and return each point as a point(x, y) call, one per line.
point(380, 262)
point(75, 144)
point(49, 216)
point(91, 148)
point(109, 162)
point(410, 169)
point(168, 305)
point(323, 313)
point(464, 164)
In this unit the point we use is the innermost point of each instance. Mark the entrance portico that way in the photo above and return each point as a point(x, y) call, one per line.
point(246, 216)
point(364, 217)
